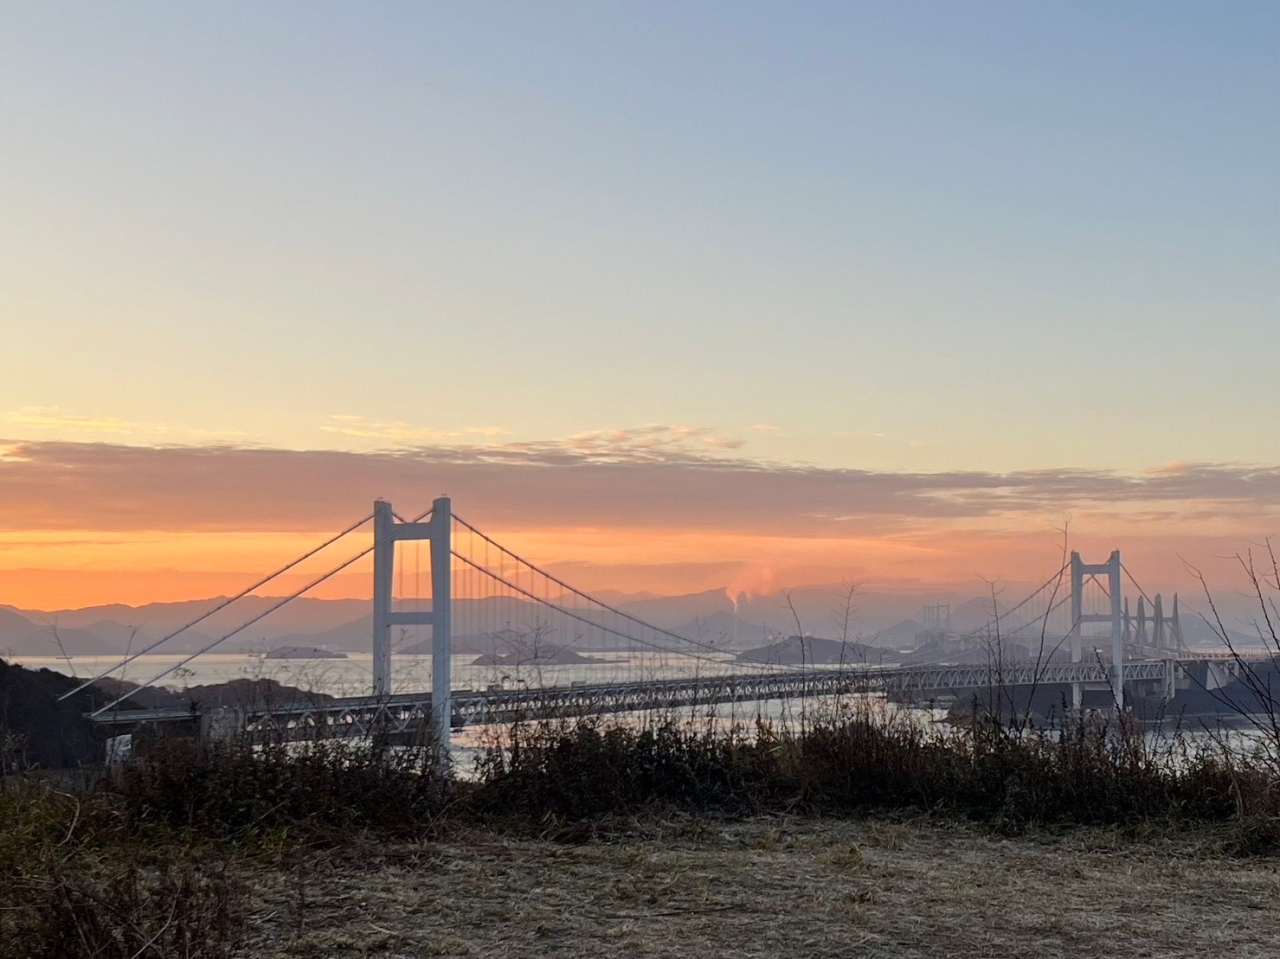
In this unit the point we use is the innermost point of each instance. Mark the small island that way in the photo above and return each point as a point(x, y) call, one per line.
point(811, 650)
point(546, 655)
point(303, 652)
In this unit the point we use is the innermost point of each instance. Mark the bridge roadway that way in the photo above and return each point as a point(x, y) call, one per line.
point(405, 715)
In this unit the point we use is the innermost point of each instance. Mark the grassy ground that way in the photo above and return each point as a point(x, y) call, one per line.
point(769, 887)
point(582, 839)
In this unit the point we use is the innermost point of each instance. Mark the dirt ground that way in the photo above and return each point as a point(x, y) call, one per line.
point(779, 887)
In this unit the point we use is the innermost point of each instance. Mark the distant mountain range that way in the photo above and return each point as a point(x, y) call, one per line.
point(112, 630)
point(344, 625)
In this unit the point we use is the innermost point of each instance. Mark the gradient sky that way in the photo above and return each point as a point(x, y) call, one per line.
point(906, 240)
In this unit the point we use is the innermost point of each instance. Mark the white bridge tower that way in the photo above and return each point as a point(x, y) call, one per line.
point(437, 530)
point(1111, 569)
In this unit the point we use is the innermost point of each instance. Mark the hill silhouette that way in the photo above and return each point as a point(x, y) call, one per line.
point(38, 730)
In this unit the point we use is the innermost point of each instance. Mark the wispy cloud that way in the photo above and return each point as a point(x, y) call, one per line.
point(64, 421)
point(399, 433)
point(649, 443)
point(649, 477)
point(55, 423)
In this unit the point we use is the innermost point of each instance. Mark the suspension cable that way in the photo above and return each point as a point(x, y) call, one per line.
point(1136, 583)
point(222, 605)
point(577, 592)
point(583, 619)
point(1056, 576)
point(1057, 605)
point(242, 627)
point(1009, 612)
point(1182, 646)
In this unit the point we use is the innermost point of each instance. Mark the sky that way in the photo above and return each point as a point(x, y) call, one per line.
point(670, 294)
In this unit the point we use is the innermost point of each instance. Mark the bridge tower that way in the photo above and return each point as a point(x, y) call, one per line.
point(437, 530)
point(1165, 634)
point(1114, 617)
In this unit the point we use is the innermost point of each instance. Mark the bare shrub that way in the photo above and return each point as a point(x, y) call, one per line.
point(238, 789)
point(74, 883)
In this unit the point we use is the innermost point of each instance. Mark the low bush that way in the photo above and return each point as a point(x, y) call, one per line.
point(144, 863)
point(1087, 773)
point(237, 789)
point(587, 768)
point(75, 883)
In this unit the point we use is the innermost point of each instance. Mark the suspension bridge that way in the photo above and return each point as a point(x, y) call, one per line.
point(541, 647)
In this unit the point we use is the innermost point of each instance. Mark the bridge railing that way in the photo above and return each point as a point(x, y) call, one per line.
point(404, 713)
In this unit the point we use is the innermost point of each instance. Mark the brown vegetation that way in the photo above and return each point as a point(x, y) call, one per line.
point(75, 882)
point(158, 861)
point(770, 886)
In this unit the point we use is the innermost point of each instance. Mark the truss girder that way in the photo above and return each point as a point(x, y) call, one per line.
point(404, 714)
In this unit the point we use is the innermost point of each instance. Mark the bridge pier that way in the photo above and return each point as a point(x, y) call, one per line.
point(222, 723)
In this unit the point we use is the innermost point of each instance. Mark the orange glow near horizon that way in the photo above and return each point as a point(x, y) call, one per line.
point(66, 570)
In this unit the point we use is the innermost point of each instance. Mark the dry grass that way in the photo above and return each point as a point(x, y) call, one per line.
point(768, 887)
point(75, 882)
point(590, 840)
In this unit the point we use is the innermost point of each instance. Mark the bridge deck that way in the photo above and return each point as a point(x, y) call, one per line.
point(406, 713)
